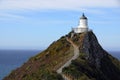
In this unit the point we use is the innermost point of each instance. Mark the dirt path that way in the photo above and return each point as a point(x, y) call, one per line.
point(76, 55)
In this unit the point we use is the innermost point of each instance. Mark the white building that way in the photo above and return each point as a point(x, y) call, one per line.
point(82, 26)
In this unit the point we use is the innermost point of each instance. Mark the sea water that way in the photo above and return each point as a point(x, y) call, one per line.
point(116, 54)
point(12, 59)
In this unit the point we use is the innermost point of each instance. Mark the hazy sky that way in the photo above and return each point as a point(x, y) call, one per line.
point(35, 24)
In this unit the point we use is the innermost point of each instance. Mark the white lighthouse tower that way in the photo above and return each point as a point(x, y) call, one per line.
point(82, 26)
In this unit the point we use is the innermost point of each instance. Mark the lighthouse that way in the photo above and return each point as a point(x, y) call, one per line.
point(82, 26)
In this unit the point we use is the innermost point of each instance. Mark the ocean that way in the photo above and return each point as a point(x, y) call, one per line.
point(116, 54)
point(12, 59)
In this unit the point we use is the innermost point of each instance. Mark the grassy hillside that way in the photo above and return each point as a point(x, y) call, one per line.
point(94, 63)
point(44, 65)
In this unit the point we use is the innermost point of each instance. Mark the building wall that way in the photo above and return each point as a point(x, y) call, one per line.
point(83, 23)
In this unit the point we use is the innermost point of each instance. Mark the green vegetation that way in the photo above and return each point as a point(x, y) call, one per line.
point(81, 69)
point(48, 75)
point(44, 65)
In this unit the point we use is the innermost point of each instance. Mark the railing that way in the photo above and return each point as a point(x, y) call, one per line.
point(80, 30)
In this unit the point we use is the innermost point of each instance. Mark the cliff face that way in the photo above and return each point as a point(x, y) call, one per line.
point(93, 49)
point(93, 62)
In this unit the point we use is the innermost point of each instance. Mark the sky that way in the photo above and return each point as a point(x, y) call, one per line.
point(35, 24)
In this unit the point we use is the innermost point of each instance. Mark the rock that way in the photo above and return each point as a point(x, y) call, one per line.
point(93, 63)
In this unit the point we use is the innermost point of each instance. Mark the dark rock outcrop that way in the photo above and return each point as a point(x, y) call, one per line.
point(93, 49)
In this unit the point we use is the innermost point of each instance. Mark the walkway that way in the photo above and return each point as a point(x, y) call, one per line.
point(76, 55)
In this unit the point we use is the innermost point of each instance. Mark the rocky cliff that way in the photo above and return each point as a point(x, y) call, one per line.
point(94, 63)
point(73, 56)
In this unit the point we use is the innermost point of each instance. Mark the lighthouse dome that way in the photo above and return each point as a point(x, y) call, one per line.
point(83, 17)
